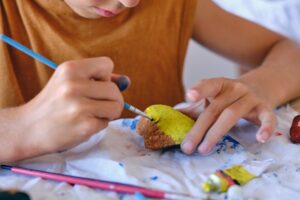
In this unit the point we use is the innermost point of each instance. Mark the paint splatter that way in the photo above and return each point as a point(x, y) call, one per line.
point(257, 153)
point(122, 196)
point(154, 178)
point(131, 123)
point(223, 145)
point(139, 196)
point(278, 134)
point(126, 122)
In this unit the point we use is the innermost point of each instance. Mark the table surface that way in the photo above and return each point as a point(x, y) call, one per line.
point(118, 154)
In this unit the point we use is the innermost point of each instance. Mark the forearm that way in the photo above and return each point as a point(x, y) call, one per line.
point(12, 142)
point(277, 79)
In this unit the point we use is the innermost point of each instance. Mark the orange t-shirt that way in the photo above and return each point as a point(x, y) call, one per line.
point(147, 43)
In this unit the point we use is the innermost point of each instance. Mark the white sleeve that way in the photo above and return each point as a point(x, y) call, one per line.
point(281, 16)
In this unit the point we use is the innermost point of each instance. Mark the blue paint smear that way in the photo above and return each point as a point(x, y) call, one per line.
point(139, 196)
point(126, 122)
point(275, 175)
point(122, 196)
point(121, 164)
point(131, 123)
point(227, 142)
point(154, 178)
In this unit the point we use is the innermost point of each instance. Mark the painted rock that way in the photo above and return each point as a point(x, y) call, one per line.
point(295, 130)
point(168, 127)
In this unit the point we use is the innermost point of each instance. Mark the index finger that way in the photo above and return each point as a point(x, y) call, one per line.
point(99, 68)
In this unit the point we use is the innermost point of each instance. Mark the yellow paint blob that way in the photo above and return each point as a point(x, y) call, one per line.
point(170, 121)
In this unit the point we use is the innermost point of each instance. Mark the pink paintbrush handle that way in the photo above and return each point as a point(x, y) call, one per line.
point(104, 185)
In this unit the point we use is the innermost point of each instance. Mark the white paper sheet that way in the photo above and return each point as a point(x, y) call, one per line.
point(118, 154)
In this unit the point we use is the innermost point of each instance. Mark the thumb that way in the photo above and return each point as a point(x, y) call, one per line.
point(207, 88)
point(193, 110)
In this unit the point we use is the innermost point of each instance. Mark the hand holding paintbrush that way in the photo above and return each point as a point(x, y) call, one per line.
point(78, 101)
point(121, 81)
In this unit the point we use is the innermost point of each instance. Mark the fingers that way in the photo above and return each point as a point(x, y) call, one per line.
point(206, 88)
point(99, 90)
point(83, 108)
point(92, 68)
point(210, 114)
point(194, 109)
point(268, 124)
point(104, 99)
point(99, 68)
point(228, 118)
point(106, 109)
point(91, 80)
point(229, 100)
point(202, 124)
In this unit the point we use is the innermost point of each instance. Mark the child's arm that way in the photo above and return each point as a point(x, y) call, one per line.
point(253, 96)
point(71, 108)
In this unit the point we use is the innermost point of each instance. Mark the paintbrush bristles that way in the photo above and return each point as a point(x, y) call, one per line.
point(131, 108)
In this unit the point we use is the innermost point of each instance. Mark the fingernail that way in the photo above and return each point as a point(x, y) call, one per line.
point(204, 148)
point(263, 137)
point(187, 146)
point(192, 95)
point(122, 82)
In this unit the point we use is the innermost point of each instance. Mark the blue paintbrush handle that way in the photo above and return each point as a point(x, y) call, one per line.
point(27, 51)
point(126, 106)
point(135, 110)
point(47, 62)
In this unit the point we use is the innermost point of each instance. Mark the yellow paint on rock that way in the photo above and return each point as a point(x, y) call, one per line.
point(170, 121)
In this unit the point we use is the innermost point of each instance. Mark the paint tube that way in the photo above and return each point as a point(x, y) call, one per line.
point(239, 174)
point(235, 192)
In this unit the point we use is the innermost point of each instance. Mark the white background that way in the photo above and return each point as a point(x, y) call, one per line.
point(201, 64)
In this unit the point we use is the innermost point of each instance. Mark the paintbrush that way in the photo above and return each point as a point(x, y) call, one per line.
point(54, 66)
point(103, 185)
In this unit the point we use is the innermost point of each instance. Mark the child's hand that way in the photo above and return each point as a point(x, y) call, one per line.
point(78, 101)
point(227, 101)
